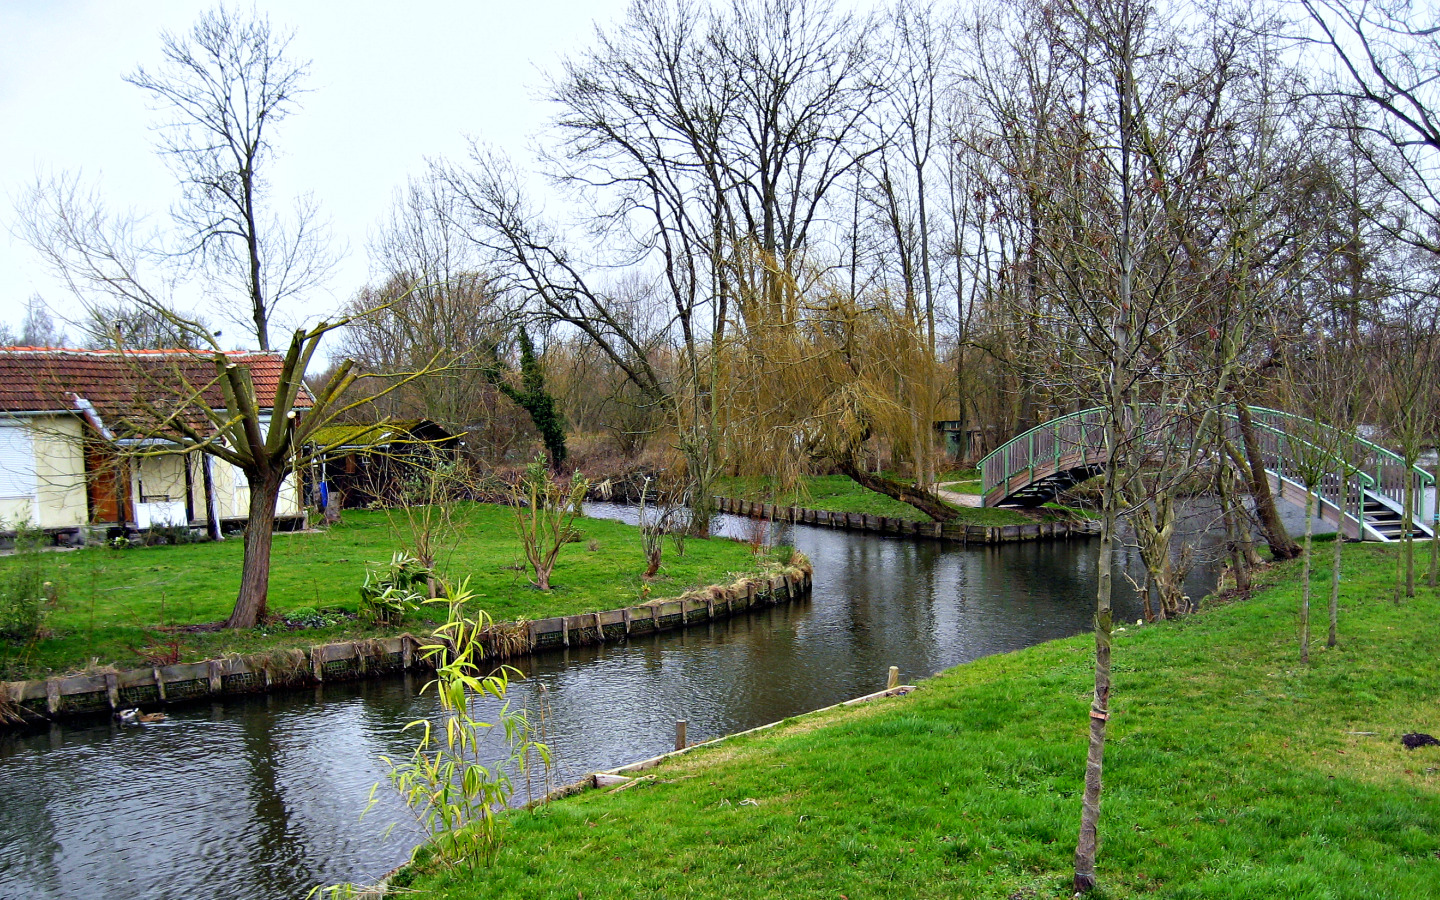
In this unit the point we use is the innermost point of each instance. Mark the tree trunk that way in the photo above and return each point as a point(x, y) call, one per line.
point(924, 501)
point(1281, 546)
point(1408, 527)
point(1435, 532)
point(212, 520)
point(250, 605)
point(1239, 562)
point(1088, 842)
point(1305, 576)
point(1332, 639)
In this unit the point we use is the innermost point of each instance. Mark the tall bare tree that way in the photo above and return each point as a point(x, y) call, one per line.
point(434, 301)
point(222, 89)
point(695, 135)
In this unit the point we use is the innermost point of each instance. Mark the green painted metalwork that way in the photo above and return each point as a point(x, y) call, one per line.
point(1281, 434)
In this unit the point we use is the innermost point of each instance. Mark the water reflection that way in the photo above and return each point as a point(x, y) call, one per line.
point(260, 797)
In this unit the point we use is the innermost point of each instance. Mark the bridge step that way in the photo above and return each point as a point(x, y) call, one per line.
point(1387, 522)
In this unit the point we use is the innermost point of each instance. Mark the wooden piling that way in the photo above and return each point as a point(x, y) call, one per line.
point(680, 726)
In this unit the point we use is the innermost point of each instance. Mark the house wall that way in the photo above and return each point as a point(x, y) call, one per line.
point(158, 477)
point(43, 478)
point(60, 472)
point(232, 494)
point(43, 472)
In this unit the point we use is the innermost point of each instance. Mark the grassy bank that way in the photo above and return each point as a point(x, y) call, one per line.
point(1232, 771)
point(839, 493)
point(129, 607)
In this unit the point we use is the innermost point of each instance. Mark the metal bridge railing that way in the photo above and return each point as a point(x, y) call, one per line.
point(1289, 445)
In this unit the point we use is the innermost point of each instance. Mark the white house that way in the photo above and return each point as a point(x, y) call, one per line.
point(80, 444)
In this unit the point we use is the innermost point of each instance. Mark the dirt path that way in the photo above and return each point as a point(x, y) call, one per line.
point(972, 500)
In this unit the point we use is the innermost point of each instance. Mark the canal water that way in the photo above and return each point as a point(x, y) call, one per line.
point(261, 797)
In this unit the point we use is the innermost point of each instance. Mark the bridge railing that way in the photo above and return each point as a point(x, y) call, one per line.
point(1082, 431)
point(1314, 453)
point(1079, 433)
point(1288, 445)
point(1383, 471)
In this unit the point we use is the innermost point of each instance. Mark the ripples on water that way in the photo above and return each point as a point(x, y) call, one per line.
point(260, 797)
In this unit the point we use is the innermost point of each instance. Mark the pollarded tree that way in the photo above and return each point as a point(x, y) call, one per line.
point(206, 401)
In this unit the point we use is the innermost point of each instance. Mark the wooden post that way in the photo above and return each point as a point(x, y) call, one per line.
point(52, 695)
point(599, 629)
point(680, 734)
point(215, 682)
point(112, 690)
point(625, 614)
point(159, 684)
point(565, 630)
point(317, 663)
point(407, 651)
point(894, 680)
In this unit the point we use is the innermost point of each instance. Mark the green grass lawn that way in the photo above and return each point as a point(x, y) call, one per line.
point(966, 481)
point(839, 493)
point(112, 603)
point(1232, 771)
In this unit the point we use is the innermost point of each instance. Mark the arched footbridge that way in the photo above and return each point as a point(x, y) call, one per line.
point(1035, 466)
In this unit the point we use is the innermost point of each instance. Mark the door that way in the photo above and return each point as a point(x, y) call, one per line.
point(108, 482)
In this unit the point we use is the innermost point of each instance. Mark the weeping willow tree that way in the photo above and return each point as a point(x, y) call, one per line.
point(813, 373)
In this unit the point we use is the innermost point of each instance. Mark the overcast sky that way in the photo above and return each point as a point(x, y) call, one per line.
point(390, 84)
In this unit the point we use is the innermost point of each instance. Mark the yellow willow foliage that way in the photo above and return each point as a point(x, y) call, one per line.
point(811, 372)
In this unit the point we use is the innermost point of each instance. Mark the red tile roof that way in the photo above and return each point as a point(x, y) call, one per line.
point(34, 379)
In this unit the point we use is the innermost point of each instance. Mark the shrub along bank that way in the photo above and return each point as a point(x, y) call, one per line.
point(1232, 771)
point(154, 605)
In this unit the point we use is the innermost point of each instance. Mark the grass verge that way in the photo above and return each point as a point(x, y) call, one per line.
point(1231, 771)
point(130, 607)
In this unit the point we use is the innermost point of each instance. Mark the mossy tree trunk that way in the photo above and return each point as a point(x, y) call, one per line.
point(1281, 546)
point(533, 397)
point(922, 500)
point(250, 605)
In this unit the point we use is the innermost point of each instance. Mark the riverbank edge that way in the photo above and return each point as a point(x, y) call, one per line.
point(619, 776)
point(28, 703)
point(1269, 579)
point(950, 532)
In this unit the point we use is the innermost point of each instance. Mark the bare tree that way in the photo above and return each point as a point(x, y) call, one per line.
point(1386, 61)
point(222, 89)
point(1138, 254)
point(903, 173)
point(205, 402)
point(226, 83)
point(1406, 343)
point(38, 328)
point(695, 135)
point(434, 301)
